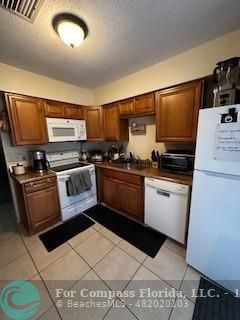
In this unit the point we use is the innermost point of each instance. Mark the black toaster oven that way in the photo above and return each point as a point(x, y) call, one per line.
point(180, 161)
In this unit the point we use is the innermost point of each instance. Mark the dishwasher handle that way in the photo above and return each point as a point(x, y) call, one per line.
point(163, 193)
point(183, 191)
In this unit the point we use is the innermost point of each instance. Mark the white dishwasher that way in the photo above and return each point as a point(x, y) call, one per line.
point(166, 207)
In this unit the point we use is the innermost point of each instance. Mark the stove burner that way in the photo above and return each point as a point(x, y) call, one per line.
point(69, 166)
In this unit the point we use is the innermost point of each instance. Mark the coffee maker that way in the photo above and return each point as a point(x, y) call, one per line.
point(40, 163)
point(226, 76)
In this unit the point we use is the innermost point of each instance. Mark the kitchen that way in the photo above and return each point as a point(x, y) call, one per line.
point(141, 230)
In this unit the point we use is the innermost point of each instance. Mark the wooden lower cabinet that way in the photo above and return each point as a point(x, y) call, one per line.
point(39, 204)
point(130, 199)
point(40, 213)
point(123, 192)
point(111, 192)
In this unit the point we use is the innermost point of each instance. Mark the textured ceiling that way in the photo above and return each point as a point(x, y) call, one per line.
point(124, 36)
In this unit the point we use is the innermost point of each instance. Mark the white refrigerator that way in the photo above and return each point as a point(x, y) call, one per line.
point(213, 246)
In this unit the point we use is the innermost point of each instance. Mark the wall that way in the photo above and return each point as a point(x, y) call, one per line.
point(20, 81)
point(192, 64)
point(142, 144)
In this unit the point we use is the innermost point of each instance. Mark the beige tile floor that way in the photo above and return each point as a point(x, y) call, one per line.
point(96, 260)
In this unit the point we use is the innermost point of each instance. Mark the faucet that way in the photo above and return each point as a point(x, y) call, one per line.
point(138, 160)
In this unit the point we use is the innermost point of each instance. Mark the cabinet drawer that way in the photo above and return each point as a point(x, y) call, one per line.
point(122, 176)
point(40, 184)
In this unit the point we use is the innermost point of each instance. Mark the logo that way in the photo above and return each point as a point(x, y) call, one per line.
point(19, 300)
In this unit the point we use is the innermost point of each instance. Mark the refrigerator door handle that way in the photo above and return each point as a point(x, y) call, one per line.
point(220, 175)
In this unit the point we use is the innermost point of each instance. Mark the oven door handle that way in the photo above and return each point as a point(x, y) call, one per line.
point(63, 178)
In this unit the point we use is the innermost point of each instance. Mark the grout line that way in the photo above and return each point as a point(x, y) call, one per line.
point(108, 238)
point(47, 311)
point(132, 276)
point(108, 311)
point(176, 297)
point(92, 267)
point(130, 253)
point(91, 235)
point(38, 273)
point(21, 255)
point(165, 281)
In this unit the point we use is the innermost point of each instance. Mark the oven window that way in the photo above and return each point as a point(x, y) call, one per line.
point(63, 132)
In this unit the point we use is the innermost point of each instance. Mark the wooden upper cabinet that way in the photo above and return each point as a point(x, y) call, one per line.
point(74, 112)
point(54, 109)
point(177, 112)
point(115, 129)
point(94, 123)
point(111, 123)
point(57, 109)
point(137, 106)
point(27, 121)
point(145, 104)
point(126, 107)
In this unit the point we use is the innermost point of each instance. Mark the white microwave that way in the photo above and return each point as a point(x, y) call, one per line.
point(66, 130)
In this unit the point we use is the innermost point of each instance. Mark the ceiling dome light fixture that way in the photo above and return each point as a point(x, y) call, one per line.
point(71, 29)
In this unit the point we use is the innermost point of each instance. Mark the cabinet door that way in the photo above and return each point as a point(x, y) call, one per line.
point(40, 214)
point(111, 123)
point(130, 200)
point(110, 192)
point(54, 109)
point(145, 104)
point(27, 121)
point(94, 123)
point(126, 107)
point(177, 112)
point(73, 112)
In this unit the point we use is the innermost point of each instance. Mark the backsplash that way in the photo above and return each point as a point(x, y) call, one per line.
point(142, 144)
point(22, 153)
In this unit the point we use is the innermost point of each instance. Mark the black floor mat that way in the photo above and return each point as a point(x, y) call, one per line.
point(223, 306)
point(62, 233)
point(143, 238)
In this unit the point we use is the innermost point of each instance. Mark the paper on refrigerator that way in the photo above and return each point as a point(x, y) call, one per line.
point(227, 142)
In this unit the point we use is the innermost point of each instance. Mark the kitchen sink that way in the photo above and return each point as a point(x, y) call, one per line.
point(131, 167)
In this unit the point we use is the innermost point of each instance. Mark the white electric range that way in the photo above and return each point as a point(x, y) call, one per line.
point(64, 164)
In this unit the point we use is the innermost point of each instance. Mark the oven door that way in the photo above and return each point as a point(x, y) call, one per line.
point(66, 200)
